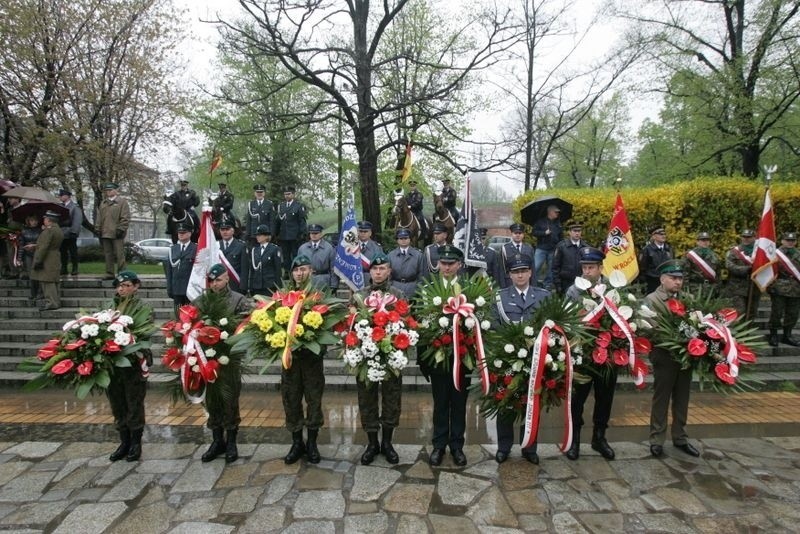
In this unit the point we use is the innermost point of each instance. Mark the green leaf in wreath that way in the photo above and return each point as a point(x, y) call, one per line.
point(103, 379)
point(122, 361)
point(86, 386)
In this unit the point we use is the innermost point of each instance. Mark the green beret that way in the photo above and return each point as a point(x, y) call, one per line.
point(126, 276)
point(379, 259)
point(301, 260)
point(215, 271)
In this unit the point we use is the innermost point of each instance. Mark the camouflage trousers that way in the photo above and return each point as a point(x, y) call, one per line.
point(304, 380)
point(386, 413)
point(126, 393)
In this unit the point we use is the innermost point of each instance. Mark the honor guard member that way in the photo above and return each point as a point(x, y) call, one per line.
point(784, 292)
point(591, 269)
point(304, 380)
point(322, 255)
point(47, 261)
point(235, 253)
point(128, 386)
point(223, 415)
point(515, 304)
point(742, 291)
point(414, 199)
point(71, 230)
point(566, 260)
point(449, 404)
point(407, 265)
point(702, 265)
point(383, 415)
point(290, 226)
point(223, 203)
point(264, 269)
point(449, 199)
point(547, 231)
point(178, 267)
point(431, 252)
point(514, 248)
point(112, 226)
point(656, 252)
point(185, 198)
point(369, 248)
point(671, 383)
point(259, 211)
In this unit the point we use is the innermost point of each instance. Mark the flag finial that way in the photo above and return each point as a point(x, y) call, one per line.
point(768, 172)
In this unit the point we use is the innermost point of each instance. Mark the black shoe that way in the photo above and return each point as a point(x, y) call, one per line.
point(135, 452)
point(789, 340)
point(231, 450)
point(436, 457)
point(772, 339)
point(297, 450)
point(500, 457)
point(459, 458)
point(372, 449)
point(688, 449)
point(387, 450)
point(217, 446)
point(312, 452)
point(124, 446)
point(601, 446)
point(532, 457)
point(574, 451)
point(657, 450)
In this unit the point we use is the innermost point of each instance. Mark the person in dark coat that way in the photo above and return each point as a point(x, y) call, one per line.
point(431, 252)
point(290, 226)
point(223, 204)
point(740, 288)
point(178, 267)
point(548, 233)
point(515, 304)
point(264, 269)
point(407, 265)
point(71, 229)
point(235, 253)
point(656, 252)
point(415, 199)
point(259, 211)
point(27, 248)
point(322, 255)
point(514, 248)
point(566, 260)
point(369, 248)
point(47, 261)
point(449, 199)
point(185, 199)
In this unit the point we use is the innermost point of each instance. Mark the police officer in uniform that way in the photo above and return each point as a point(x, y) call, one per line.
point(566, 260)
point(264, 269)
point(784, 292)
point(235, 253)
point(702, 265)
point(259, 211)
point(515, 304)
point(178, 267)
point(514, 248)
point(369, 247)
point(742, 291)
point(290, 226)
point(185, 198)
point(431, 252)
point(449, 199)
point(386, 414)
point(591, 269)
point(656, 252)
point(414, 199)
point(407, 265)
point(223, 203)
point(322, 255)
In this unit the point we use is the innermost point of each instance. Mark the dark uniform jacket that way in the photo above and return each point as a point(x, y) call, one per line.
point(651, 257)
point(322, 258)
point(694, 272)
point(256, 215)
point(544, 240)
point(738, 271)
point(186, 200)
point(566, 263)
point(431, 259)
point(264, 271)
point(236, 254)
point(414, 200)
point(291, 223)
point(178, 267)
point(407, 270)
point(507, 253)
point(369, 249)
point(786, 285)
point(73, 228)
point(224, 202)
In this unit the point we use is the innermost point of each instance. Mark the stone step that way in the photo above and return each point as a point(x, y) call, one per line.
point(70, 308)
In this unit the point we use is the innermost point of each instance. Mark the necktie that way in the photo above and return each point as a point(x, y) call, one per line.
point(519, 248)
point(259, 203)
point(183, 249)
point(402, 252)
point(315, 246)
point(263, 248)
point(522, 296)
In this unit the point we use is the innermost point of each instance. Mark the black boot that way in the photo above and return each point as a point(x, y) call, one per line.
point(372, 449)
point(311, 446)
point(574, 451)
point(772, 338)
point(231, 451)
point(217, 446)
point(600, 444)
point(124, 446)
point(386, 447)
point(788, 339)
point(297, 450)
point(135, 452)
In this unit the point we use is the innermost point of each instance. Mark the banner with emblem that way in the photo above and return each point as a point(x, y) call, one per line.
point(619, 249)
point(347, 263)
point(467, 235)
point(208, 254)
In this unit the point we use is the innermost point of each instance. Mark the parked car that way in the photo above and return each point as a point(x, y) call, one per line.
point(155, 249)
point(497, 241)
point(87, 242)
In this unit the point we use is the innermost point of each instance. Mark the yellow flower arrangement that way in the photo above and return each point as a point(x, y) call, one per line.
point(313, 319)
point(283, 314)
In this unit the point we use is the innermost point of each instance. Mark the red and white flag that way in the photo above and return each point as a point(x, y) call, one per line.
point(208, 254)
point(765, 266)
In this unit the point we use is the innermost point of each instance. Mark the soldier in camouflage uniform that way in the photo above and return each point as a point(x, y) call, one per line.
point(385, 415)
point(702, 266)
point(784, 293)
point(743, 293)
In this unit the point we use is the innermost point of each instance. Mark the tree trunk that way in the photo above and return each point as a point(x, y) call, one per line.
point(750, 159)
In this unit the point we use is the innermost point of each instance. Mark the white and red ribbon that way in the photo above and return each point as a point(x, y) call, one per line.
point(378, 301)
point(742, 256)
point(705, 269)
point(192, 347)
point(460, 308)
point(787, 264)
point(730, 350)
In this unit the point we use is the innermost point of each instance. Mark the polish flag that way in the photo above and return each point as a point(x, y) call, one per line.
point(208, 254)
point(765, 261)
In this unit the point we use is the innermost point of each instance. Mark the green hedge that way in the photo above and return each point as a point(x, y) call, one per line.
point(721, 206)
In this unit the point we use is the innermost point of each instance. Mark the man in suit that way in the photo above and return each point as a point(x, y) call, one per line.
point(369, 248)
point(566, 261)
point(431, 252)
point(656, 252)
point(407, 265)
point(259, 211)
point(514, 248)
point(291, 226)
point(322, 255)
point(71, 230)
point(47, 261)
point(112, 226)
point(515, 304)
point(235, 253)
point(178, 267)
point(264, 271)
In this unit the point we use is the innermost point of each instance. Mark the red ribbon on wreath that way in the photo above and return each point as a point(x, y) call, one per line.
point(460, 308)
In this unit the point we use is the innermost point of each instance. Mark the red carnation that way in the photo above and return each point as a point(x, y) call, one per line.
point(380, 318)
point(599, 355)
point(378, 334)
point(723, 372)
point(111, 346)
point(351, 339)
point(62, 367)
point(642, 345)
point(676, 307)
point(500, 395)
point(173, 359)
point(401, 341)
point(411, 323)
point(550, 383)
point(492, 378)
point(437, 343)
point(394, 316)
point(85, 368)
point(603, 339)
point(209, 335)
point(745, 354)
point(696, 347)
point(401, 307)
point(620, 356)
point(446, 339)
point(320, 308)
point(75, 345)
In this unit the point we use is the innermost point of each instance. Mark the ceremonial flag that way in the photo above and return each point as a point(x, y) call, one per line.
point(765, 267)
point(467, 233)
point(216, 161)
point(406, 164)
point(619, 250)
point(347, 263)
point(207, 255)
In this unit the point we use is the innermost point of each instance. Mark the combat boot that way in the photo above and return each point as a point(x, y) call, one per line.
point(297, 450)
point(124, 446)
point(386, 446)
point(788, 339)
point(600, 444)
point(311, 446)
point(372, 449)
point(772, 338)
point(574, 451)
point(217, 446)
point(135, 451)
point(231, 450)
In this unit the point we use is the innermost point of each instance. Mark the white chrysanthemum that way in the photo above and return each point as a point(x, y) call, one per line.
point(480, 302)
point(369, 348)
point(196, 368)
point(115, 327)
point(582, 283)
point(437, 301)
point(548, 358)
point(103, 317)
point(498, 363)
point(444, 322)
point(509, 348)
point(517, 366)
point(469, 322)
point(485, 325)
point(224, 335)
point(393, 328)
point(376, 375)
point(364, 333)
point(522, 353)
point(122, 338)
point(125, 319)
point(578, 360)
point(413, 337)
point(191, 360)
point(210, 353)
point(397, 360)
point(617, 278)
point(223, 321)
point(561, 357)
point(528, 331)
point(89, 330)
point(626, 312)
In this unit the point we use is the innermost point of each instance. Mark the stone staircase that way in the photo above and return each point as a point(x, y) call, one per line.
point(25, 328)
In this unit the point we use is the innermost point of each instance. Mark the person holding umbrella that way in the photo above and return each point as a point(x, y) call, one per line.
point(47, 261)
point(548, 234)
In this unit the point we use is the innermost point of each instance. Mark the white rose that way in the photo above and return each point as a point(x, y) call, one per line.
point(469, 322)
point(196, 368)
point(498, 363)
point(528, 331)
point(578, 360)
point(551, 342)
point(480, 301)
point(486, 325)
point(223, 321)
point(522, 353)
point(509, 348)
point(437, 301)
point(548, 359)
point(224, 360)
point(549, 324)
point(224, 335)
point(191, 360)
point(211, 353)
point(562, 356)
point(444, 322)
point(554, 366)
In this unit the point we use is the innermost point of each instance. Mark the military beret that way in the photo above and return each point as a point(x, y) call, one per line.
point(289, 189)
point(110, 185)
point(64, 192)
point(224, 224)
point(671, 268)
point(125, 276)
point(517, 227)
point(450, 254)
point(301, 260)
point(658, 230)
point(519, 262)
point(412, 182)
point(52, 215)
point(183, 228)
point(789, 236)
point(263, 229)
point(704, 236)
point(747, 233)
point(591, 255)
point(313, 228)
point(183, 181)
point(402, 233)
point(222, 184)
point(364, 225)
point(259, 187)
point(574, 225)
point(379, 259)
point(215, 271)
point(439, 227)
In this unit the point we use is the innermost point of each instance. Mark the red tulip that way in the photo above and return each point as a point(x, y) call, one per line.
point(173, 359)
point(603, 339)
point(437, 343)
point(500, 395)
point(723, 372)
point(85, 368)
point(642, 345)
point(401, 341)
point(696, 347)
point(676, 307)
point(110, 346)
point(62, 367)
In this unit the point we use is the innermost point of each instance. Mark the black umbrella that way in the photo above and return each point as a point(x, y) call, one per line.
point(537, 209)
point(39, 208)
